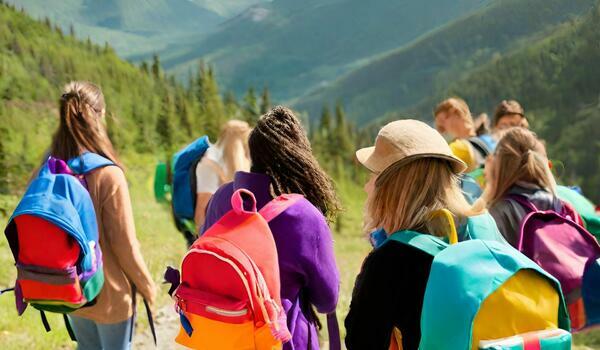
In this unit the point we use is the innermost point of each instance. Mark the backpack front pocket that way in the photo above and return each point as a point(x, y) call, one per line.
point(53, 285)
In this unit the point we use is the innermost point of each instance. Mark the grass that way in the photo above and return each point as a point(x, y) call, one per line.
point(162, 245)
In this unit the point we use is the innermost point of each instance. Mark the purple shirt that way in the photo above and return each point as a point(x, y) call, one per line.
point(306, 257)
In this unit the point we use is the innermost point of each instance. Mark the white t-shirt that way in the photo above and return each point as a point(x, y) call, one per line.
point(207, 179)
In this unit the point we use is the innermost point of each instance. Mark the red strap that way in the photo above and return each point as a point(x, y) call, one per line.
point(531, 341)
point(279, 205)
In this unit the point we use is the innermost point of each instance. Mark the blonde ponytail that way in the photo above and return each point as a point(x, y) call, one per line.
point(520, 157)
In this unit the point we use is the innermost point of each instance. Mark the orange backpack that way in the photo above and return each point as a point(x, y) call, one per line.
point(229, 295)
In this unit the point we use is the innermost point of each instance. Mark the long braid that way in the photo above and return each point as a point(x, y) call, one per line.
point(280, 148)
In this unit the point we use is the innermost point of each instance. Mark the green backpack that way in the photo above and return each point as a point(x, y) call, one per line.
point(486, 295)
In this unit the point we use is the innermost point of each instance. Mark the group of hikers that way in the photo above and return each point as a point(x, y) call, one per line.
point(467, 190)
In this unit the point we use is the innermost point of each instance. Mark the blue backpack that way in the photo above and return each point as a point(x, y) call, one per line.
point(53, 235)
point(177, 180)
point(184, 178)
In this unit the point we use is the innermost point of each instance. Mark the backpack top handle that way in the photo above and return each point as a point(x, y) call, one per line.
point(237, 201)
point(446, 214)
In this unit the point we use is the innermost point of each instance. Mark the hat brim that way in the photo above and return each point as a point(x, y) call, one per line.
point(363, 155)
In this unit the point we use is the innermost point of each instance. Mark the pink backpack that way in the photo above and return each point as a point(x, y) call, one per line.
point(568, 252)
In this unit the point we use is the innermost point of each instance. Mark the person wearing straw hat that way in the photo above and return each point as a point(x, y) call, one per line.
point(413, 175)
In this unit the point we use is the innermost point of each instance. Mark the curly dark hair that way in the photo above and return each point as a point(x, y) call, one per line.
point(280, 148)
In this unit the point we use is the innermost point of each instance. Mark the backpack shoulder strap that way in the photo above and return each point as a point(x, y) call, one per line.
point(216, 168)
point(278, 205)
point(524, 202)
point(480, 145)
point(424, 242)
point(87, 162)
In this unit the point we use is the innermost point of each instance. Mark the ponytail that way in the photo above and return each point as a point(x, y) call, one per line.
point(80, 129)
point(520, 157)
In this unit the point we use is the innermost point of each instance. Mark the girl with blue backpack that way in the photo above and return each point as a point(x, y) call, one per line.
point(414, 176)
point(220, 161)
point(283, 163)
point(81, 139)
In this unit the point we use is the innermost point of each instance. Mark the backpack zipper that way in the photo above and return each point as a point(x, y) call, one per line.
point(226, 313)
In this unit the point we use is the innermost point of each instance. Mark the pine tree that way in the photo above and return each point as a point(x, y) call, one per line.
point(325, 124)
point(251, 109)
point(144, 67)
point(265, 101)
point(231, 105)
point(321, 135)
point(59, 31)
point(183, 112)
point(341, 134)
point(164, 123)
point(141, 141)
point(72, 30)
point(209, 100)
point(107, 48)
point(155, 66)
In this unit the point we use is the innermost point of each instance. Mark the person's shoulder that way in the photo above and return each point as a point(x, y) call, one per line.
point(110, 174)
point(303, 210)
point(225, 191)
point(506, 209)
point(396, 257)
point(503, 204)
point(397, 251)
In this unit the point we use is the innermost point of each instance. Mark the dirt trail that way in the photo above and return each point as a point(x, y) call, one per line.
point(167, 327)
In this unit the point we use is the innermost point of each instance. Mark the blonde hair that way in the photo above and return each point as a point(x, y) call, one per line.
point(80, 128)
point(406, 196)
point(233, 140)
point(459, 107)
point(520, 157)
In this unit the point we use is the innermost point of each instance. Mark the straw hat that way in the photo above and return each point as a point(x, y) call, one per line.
point(404, 141)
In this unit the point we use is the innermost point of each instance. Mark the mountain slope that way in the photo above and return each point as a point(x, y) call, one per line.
point(403, 78)
point(36, 61)
point(228, 8)
point(133, 27)
point(557, 80)
point(294, 45)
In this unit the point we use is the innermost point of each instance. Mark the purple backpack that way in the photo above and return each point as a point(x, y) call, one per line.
point(569, 253)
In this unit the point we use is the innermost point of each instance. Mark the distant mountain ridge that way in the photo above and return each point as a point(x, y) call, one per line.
point(402, 79)
point(293, 46)
point(136, 28)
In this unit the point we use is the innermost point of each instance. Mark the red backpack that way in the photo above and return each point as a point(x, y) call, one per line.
point(229, 295)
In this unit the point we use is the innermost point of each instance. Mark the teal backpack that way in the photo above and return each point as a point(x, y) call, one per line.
point(486, 295)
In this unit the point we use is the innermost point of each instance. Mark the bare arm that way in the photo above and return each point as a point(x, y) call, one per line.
point(202, 199)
